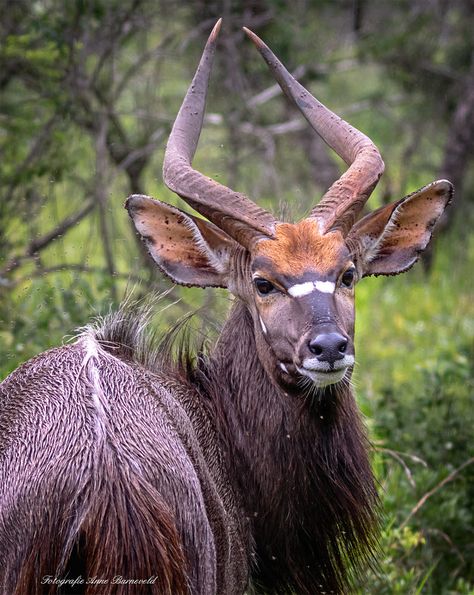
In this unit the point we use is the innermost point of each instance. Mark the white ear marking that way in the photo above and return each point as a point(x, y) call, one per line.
point(390, 226)
point(201, 243)
point(264, 328)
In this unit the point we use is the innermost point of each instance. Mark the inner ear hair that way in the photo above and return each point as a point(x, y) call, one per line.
point(189, 250)
point(389, 240)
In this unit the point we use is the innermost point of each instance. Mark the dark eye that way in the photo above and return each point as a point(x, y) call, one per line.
point(263, 286)
point(347, 279)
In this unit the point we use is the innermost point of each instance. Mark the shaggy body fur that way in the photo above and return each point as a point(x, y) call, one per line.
point(206, 477)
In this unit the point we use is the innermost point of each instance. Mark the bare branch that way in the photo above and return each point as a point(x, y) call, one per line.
point(142, 59)
point(421, 502)
point(36, 151)
point(72, 267)
point(118, 30)
point(274, 90)
point(142, 152)
point(100, 192)
point(299, 72)
point(35, 246)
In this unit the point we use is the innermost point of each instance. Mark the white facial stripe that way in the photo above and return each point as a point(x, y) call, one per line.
point(301, 289)
point(264, 328)
point(283, 367)
point(325, 286)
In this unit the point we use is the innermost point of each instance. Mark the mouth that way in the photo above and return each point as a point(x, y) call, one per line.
point(323, 374)
point(322, 378)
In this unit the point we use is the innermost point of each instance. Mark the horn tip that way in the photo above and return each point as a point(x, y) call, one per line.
point(255, 38)
point(215, 30)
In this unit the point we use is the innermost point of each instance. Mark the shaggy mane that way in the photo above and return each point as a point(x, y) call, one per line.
point(129, 334)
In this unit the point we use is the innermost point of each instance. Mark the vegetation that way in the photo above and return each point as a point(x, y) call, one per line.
point(89, 90)
point(415, 382)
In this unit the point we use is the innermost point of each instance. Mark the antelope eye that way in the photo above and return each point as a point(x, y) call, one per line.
point(347, 279)
point(263, 286)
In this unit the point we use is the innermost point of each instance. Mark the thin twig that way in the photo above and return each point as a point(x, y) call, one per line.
point(408, 455)
point(400, 460)
point(448, 540)
point(437, 487)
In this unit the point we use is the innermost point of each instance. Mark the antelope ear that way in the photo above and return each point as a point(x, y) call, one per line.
point(191, 251)
point(390, 240)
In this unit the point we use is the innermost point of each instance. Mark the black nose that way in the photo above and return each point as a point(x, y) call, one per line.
point(328, 347)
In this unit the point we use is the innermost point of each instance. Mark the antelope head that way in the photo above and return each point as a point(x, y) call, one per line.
point(297, 279)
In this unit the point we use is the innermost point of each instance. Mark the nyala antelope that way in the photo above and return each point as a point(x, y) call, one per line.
point(245, 468)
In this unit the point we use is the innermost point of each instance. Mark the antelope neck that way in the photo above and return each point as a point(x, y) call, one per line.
point(298, 466)
point(250, 408)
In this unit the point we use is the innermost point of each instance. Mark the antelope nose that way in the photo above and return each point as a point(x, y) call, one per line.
point(328, 347)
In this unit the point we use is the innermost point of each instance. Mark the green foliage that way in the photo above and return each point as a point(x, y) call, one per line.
point(44, 314)
point(416, 383)
point(394, 577)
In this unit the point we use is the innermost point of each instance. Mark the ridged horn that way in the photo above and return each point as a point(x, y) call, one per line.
point(231, 211)
point(342, 203)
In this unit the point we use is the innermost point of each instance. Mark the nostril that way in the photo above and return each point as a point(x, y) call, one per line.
point(316, 346)
point(343, 346)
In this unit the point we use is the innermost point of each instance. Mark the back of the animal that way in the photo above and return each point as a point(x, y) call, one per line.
point(95, 479)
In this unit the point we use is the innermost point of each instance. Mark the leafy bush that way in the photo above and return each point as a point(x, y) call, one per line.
point(417, 385)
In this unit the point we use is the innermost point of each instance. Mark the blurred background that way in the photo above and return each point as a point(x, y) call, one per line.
point(88, 93)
